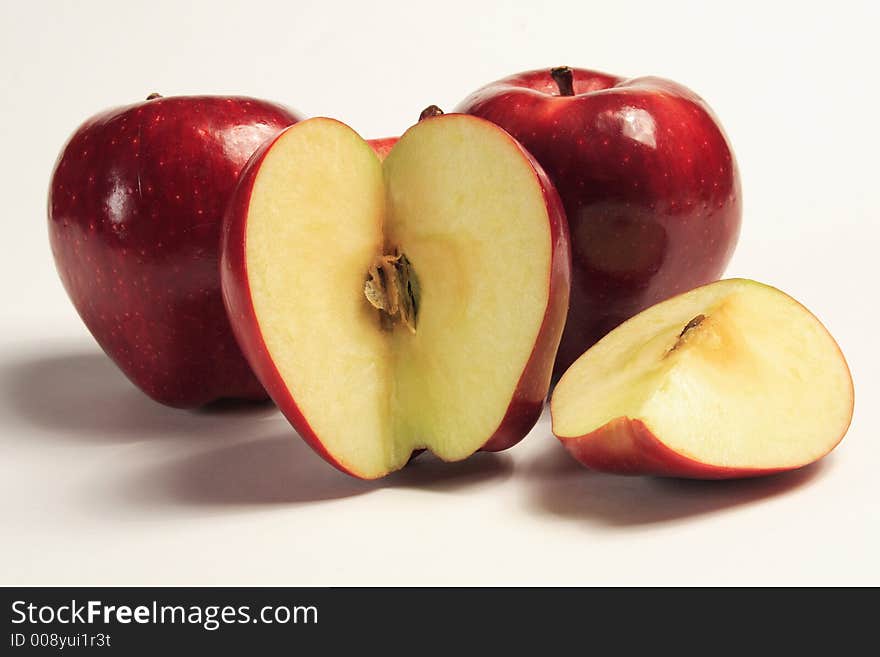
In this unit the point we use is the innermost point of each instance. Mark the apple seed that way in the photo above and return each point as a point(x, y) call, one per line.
point(393, 288)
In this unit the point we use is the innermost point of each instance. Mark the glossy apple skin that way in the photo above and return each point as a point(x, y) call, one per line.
point(649, 183)
point(527, 401)
point(136, 205)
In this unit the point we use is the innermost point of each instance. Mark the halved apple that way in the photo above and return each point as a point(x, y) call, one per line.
point(391, 306)
point(732, 379)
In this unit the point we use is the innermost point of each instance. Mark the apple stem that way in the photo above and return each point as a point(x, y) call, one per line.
point(153, 96)
point(564, 79)
point(430, 111)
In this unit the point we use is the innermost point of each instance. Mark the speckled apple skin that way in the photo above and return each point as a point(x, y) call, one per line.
point(649, 183)
point(135, 211)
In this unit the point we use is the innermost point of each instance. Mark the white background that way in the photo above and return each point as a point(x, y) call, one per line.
point(99, 485)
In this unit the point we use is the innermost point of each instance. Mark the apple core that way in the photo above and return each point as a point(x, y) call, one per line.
point(392, 288)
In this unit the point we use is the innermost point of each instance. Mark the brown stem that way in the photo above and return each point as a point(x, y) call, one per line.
point(153, 96)
point(430, 111)
point(564, 80)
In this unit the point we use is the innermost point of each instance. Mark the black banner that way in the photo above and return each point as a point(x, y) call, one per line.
point(135, 621)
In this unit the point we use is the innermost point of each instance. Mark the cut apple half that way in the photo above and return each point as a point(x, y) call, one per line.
point(732, 379)
point(390, 306)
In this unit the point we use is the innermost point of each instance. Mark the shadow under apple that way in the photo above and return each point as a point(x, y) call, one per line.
point(282, 469)
point(564, 488)
point(81, 395)
point(253, 457)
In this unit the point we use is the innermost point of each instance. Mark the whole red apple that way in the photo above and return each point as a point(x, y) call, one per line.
point(648, 180)
point(135, 210)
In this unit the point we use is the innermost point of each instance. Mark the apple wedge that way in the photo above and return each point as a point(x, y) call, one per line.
point(390, 306)
point(732, 379)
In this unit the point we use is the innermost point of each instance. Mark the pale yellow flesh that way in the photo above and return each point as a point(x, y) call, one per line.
point(758, 384)
point(462, 202)
point(314, 226)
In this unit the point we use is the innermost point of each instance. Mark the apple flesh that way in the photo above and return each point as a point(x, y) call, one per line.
point(390, 306)
point(732, 379)
point(648, 180)
point(136, 206)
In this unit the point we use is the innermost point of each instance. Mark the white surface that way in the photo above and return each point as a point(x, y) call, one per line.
point(98, 485)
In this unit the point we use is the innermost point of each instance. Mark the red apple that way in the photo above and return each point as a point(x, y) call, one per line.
point(732, 379)
point(648, 180)
point(389, 306)
point(135, 210)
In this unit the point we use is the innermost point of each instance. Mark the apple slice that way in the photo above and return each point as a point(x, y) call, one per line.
point(391, 306)
point(732, 379)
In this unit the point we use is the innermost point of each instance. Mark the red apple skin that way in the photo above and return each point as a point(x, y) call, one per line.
point(383, 146)
point(628, 447)
point(136, 205)
point(649, 183)
point(528, 399)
